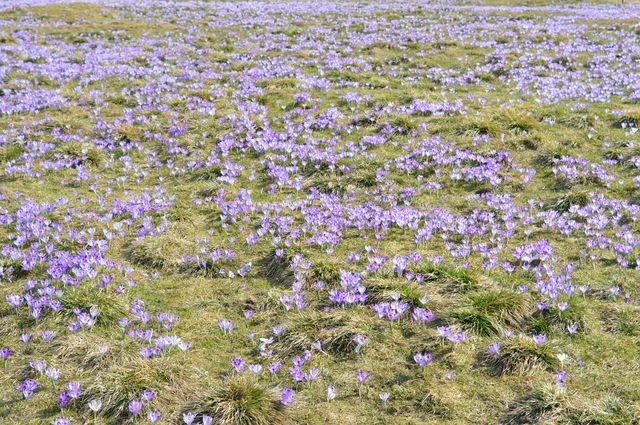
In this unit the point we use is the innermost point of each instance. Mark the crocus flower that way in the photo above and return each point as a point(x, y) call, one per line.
point(561, 376)
point(27, 387)
point(286, 397)
point(153, 416)
point(539, 339)
point(494, 348)
point(135, 406)
point(255, 369)
point(226, 326)
point(362, 376)
point(331, 392)
point(53, 374)
point(73, 389)
point(95, 405)
point(63, 399)
point(275, 367)
point(422, 359)
point(147, 395)
point(238, 364)
point(5, 353)
point(188, 418)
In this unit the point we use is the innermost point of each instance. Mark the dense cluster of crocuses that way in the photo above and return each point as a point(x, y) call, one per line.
point(332, 162)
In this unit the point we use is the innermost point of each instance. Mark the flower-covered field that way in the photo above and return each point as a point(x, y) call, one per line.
point(267, 213)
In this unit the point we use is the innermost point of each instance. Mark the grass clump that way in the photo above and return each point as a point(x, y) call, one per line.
point(122, 383)
point(89, 352)
point(334, 331)
point(517, 122)
point(628, 119)
point(530, 408)
point(110, 306)
point(479, 127)
point(518, 356)
point(385, 289)
point(551, 318)
point(486, 313)
point(574, 197)
point(238, 401)
point(276, 269)
point(450, 279)
point(611, 410)
point(328, 273)
point(621, 320)
point(162, 252)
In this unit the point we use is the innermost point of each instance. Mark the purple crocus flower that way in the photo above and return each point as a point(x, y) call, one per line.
point(238, 364)
point(331, 392)
point(188, 418)
point(539, 339)
point(147, 395)
point(5, 353)
point(135, 406)
point(63, 399)
point(422, 359)
point(362, 376)
point(275, 367)
point(73, 389)
point(226, 326)
point(255, 369)
point(286, 397)
point(561, 376)
point(27, 387)
point(153, 416)
point(47, 335)
point(494, 348)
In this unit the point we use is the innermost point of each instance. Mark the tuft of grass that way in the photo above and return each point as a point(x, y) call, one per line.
point(276, 270)
point(529, 141)
point(517, 122)
point(612, 410)
point(379, 291)
point(621, 320)
point(426, 402)
point(574, 197)
point(334, 331)
point(530, 408)
point(238, 401)
point(121, 383)
point(82, 351)
point(451, 279)
point(629, 119)
point(487, 313)
point(110, 306)
point(209, 173)
point(548, 155)
point(403, 124)
point(328, 273)
point(518, 356)
point(551, 317)
point(479, 127)
point(161, 252)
